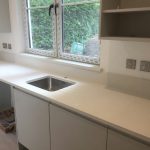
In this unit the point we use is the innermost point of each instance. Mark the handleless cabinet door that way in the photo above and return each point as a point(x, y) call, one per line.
point(117, 141)
point(32, 116)
point(72, 132)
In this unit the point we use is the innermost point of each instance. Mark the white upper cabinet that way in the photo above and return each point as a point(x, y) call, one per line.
point(5, 26)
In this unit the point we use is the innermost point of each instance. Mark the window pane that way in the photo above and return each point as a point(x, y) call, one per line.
point(35, 3)
point(41, 29)
point(81, 29)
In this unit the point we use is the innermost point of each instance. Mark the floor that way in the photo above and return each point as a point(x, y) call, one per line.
point(8, 141)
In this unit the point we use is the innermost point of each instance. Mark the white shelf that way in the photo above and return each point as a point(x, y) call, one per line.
point(130, 22)
point(126, 10)
point(136, 39)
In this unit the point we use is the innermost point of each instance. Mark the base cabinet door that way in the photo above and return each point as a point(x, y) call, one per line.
point(117, 141)
point(72, 132)
point(32, 116)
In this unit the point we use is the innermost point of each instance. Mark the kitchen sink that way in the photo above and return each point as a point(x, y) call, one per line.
point(50, 83)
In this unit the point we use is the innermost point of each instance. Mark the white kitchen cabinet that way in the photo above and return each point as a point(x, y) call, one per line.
point(72, 132)
point(117, 141)
point(5, 26)
point(32, 116)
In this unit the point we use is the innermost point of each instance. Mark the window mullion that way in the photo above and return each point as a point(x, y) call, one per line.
point(54, 20)
point(59, 29)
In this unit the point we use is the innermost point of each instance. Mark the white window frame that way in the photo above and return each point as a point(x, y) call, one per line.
point(72, 57)
point(57, 52)
point(28, 34)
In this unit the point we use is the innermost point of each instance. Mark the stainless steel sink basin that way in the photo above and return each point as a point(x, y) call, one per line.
point(50, 83)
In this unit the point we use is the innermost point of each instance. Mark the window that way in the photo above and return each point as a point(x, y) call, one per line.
point(71, 31)
point(41, 38)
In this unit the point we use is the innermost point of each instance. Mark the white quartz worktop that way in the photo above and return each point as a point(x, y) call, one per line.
point(116, 110)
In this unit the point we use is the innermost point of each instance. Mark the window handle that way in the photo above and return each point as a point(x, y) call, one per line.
point(50, 8)
point(56, 6)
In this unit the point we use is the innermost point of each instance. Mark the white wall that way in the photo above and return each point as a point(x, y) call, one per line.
point(126, 80)
point(16, 37)
point(4, 16)
point(113, 58)
point(120, 50)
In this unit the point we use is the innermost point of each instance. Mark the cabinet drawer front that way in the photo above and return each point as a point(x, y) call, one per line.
point(72, 132)
point(32, 115)
point(117, 141)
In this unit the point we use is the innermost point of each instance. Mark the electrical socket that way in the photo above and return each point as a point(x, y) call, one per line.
point(131, 64)
point(9, 46)
point(4, 45)
point(145, 66)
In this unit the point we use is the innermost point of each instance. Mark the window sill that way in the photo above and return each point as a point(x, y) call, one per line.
point(79, 65)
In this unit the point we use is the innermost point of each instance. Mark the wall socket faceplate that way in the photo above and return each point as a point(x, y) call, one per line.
point(131, 64)
point(145, 66)
point(9, 46)
point(4, 45)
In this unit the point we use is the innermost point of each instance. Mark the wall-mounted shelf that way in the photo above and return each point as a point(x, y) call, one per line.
point(126, 10)
point(125, 18)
